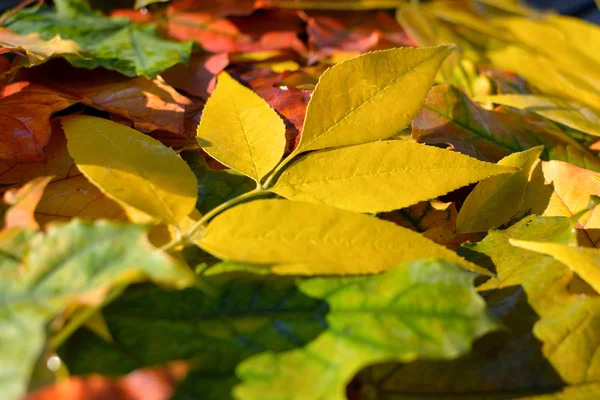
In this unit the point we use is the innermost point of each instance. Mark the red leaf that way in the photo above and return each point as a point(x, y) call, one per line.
point(199, 77)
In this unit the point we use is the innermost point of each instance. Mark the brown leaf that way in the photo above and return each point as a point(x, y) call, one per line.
point(450, 117)
point(25, 112)
point(352, 31)
point(220, 8)
point(263, 31)
point(150, 104)
point(435, 220)
point(289, 102)
point(199, 76)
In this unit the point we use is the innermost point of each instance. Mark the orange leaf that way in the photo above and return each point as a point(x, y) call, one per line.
point(150, 104)
point(23, 202)
point(25, 120)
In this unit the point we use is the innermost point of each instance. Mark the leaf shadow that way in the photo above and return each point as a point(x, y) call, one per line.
point(247, 314)
point(506, 364)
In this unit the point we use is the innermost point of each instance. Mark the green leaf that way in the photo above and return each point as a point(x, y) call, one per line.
point(241, 130)
point(329, 240)
point(345, 107)
point(270, 337)
point(113, 43)
point(549, 350)
point(381, 176)
point(215, 187)
point(450, 117)
point(131, 167)
point(496, 200)
point(76, 263)
point(564, 111)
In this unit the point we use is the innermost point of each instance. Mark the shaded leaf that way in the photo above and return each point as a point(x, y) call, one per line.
point(264, 321)
point(215, 187)
point(435, 220)
point(25, 119)
point(397, 79)
point(270, 30)
point(199, 77)
point(381, 176)
point(72, 264)
point(116, 44)
point(450, 117)
point(496, 200)
point(352, 33)
point(254, 141)
point(330, 241)
point(570, 113)
point(131, 167)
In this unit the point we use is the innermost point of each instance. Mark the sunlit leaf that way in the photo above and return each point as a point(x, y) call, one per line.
point(131, 167)
point(496, 200)
point(253, 139)
point(381, 176)
point(330, 241)
point(23, 203)
point(397, 79)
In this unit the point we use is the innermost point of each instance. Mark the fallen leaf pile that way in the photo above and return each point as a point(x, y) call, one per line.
point(300, 200)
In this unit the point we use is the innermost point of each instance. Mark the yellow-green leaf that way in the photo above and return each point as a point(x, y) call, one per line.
point(241, 130)
point(131, 167)
point(346, 105)
point(496, 200)
point(564, 111)
point(584, 261)
point(327, 241)
point(381, 176)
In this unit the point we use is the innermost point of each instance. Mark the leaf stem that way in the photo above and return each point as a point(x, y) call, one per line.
point(75, 323)
point(279, 167)
point(211, 214)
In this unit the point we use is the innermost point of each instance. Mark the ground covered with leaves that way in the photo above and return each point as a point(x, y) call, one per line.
point(299, 199)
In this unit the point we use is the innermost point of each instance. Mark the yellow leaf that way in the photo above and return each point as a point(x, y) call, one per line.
point(546, 75)
point(584, 261)
point(560, 189)
point(241, 130)
point(346, 105)
point(564, 111)
point(381, 176)
point(325, 241)
point(131, 167)
point(496, 200)
point(548, 39)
